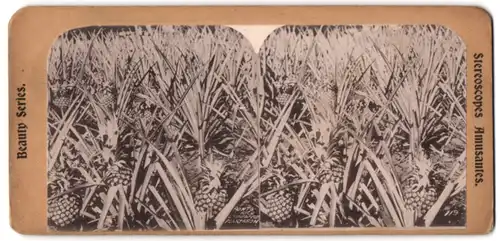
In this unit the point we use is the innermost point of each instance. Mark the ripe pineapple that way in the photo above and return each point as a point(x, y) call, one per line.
point(62, 101)
point(145, 110)
point(331, 172)
point(429, 199)
point(283, 98)
point(62, 97)
point(210, 201)
point(418, 198)
point(285, 91)
point(63, 210)
point(419, 195)
point(107, 100)
point(118, 174)
point(210, 197)
point(105, 95)
point(279, 204)
point(412, 194)
point(332, 160)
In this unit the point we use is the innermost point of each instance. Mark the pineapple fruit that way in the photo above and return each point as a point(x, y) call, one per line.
point(411, 194)
point(282, 98)
point(107, 100)
point(62, 101)
point(63, 210)
point(210, 201)
point(118, 174)
point(278, 204)
point(210, 196)
point(418, 198)
point(419, 195)
point(429, 199)
point(331, 172)
point(105, 95)
point(62, 97)
point(331, 158)
point(285, 91)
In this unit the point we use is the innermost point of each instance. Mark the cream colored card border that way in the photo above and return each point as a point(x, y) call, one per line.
point(33, 30)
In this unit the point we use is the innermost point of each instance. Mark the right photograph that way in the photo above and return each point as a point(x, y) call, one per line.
point(364, 126)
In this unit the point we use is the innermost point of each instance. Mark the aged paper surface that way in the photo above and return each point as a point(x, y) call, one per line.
point(306, 123)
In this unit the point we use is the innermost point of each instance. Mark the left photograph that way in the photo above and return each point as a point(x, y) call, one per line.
point(153, 128)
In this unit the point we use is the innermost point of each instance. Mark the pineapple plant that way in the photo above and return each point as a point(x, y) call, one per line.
point(128, 80)
point(210, 196)
point(330, 172)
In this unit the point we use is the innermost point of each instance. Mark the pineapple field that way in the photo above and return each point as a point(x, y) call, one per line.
point(191, 128)
point(366, 127)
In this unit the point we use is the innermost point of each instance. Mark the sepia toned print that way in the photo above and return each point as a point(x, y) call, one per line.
point(365, 127)
point(150, 128)
point(188, 128)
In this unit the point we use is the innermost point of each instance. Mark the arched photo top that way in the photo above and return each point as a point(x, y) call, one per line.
point(109, 39)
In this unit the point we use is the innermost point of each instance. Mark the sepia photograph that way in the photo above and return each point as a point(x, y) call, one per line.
point(152, 127)
point(365, 127)
point(191, 128)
